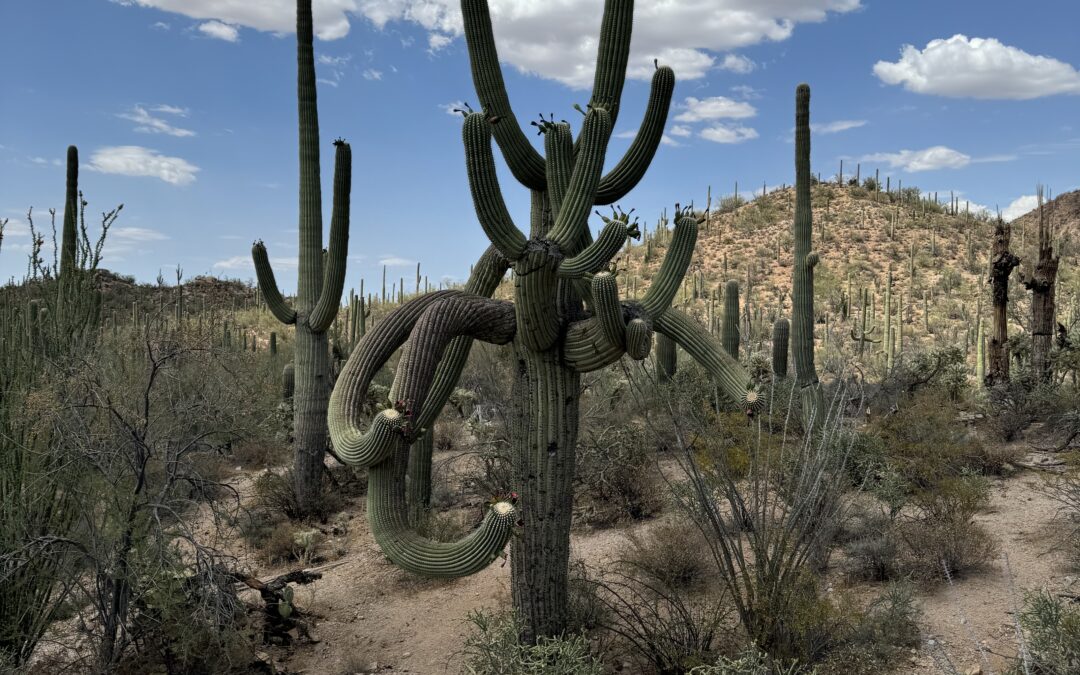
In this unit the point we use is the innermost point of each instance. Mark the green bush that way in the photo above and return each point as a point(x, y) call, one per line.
point(941, 537)
point(493, 649)
point(1051, 630)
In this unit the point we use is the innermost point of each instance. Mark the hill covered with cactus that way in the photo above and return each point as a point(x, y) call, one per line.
point(936, 254)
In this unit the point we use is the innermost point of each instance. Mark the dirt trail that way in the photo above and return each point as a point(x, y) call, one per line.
point(372, 617)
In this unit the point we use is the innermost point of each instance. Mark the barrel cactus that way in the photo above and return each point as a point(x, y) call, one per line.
point(319, 283)
point(566, 319)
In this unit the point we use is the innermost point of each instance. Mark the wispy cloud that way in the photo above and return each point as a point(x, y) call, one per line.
point(396, 261)
point(728, 133)
point(714, 108)
point(148, 124)
point(219, 31)
point(837, 126)
point(372, 74)
point(135, 160)
point(243, 262)
point(134, 234)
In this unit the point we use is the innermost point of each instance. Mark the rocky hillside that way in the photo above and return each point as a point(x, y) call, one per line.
point(937, 254)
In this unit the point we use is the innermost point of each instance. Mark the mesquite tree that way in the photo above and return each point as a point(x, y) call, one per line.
point(1041, 283)
point(318, 290)
point(566, 319)
point(802, 274)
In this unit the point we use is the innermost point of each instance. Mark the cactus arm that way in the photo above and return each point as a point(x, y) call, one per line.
point(559, 151)
point(374, 350)
point(612, 55)
point(729, 334)
point(598, 254)
point(337, 253)
point(309, 280)
point(781, 333)
point(484, 184)
point(733, 379)
point(268, 286)
point(574, 212)
point(605, 292)
point(666, 284)
point(68, 247)
point(431, 324)
point(524, 161)
point(625, 176)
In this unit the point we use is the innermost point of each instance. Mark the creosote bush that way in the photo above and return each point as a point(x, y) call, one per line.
point(493, 649)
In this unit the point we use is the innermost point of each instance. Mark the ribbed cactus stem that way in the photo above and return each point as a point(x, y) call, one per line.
point(288, 381)
point(69, 235)
point(781, 333)
point(729, 333)
point(321, 276)
point(666, 358)
point(802, 281)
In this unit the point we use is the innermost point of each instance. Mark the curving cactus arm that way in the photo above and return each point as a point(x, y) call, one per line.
point(667, 281)
point(322, 316)
point(484, 184)
point(625, 175)
point(599, 253)
point(524, 161)
point(268, 286)
point(707, 350)
point(559, 155)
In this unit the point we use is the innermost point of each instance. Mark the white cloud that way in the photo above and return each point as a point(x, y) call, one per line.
point(1019, 207)
point(714, 108)
point(437, 41)
point(555, 40)
point(680, 130)
point(149, 124)
point(747, 92)
point(136, 234)
point(160, 25)
point(134, 160)
point(243, 262)
point(41, 161)
point(837, 126)
point(454, 108)
point(219, 31)
point(723, 133)
point(978, 68)
point(396, 261)
point(372, 74)
point(170, 110)
point(930, 159)
point(738, 64)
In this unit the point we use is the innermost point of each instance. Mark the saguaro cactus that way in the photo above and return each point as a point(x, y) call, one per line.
point(554, 336)
point(667, 358)
point(318, 293)
point(729, 330)
point(802, 274)
point(780, 336)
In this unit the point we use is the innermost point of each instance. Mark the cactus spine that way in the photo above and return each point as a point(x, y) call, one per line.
point(802, 276)
point(318, 290)
point(566, 319)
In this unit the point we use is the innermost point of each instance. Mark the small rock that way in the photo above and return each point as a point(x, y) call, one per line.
point(406, 655)
point(974, 670)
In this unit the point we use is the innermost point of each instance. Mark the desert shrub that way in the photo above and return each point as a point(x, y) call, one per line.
point(493, 649)
point(877, 634)
point(674, 553)
point(1012, 406)
point(870, 546)
point(1065, 490)
point(616, 472)
point(943, 369)
point(940, 536)
point(924, 443)
point(275, 495)
point(667, 631)
point(1051, 636)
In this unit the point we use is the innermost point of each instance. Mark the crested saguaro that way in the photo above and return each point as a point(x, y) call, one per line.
point(319, 284)
point(566, 319)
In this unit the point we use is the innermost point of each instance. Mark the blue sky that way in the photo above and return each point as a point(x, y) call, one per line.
point(184, 110)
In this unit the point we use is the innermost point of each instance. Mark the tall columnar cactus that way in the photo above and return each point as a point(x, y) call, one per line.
point(69, 235)
point(863, 335)
point(566, 319)
point(802, 275)
point(780, 335)
point(319, 286)
point(887, 345)
point(729, 330)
